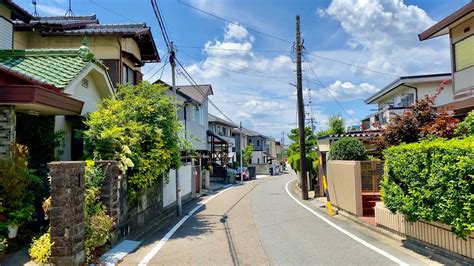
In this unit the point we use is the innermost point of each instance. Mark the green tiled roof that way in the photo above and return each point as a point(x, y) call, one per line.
point(56, 67)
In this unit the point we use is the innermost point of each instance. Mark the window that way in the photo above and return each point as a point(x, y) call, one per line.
point(224, 131)
point(193, 113)
point(258, 143)
point(464, 53)
point(128, 75)
point(258, 160)
point(407, 100)
point(201, 116)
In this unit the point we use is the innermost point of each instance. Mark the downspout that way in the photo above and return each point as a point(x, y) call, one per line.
point(121, 61)
point(185, 118)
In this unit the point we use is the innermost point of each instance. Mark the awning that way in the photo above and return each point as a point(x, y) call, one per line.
point(36, 99)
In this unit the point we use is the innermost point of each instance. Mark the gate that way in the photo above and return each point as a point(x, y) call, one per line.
point(371, 175)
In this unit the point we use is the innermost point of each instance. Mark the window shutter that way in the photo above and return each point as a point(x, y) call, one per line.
point(138, 77)
point(113, 66)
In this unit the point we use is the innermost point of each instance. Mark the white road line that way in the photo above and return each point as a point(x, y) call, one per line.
point(170, 233)
point(344, 231)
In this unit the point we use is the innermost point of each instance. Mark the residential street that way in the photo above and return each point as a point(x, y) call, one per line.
point(259, 223)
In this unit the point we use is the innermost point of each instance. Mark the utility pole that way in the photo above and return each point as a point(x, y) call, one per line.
point(179, 210)
point(301, 124)
point(241, 155)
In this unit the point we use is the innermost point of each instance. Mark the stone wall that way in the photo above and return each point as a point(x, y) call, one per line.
point(67, 212)
point(7, 129)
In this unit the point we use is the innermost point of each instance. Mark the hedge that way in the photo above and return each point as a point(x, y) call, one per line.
point(348, 149)
point(432, 180)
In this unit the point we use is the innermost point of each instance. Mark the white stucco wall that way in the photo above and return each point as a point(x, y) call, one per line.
point(90, 96)
point(169, 189)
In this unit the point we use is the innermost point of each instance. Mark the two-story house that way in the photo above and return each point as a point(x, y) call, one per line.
point(396, 97)
point(45, 90)
point(123, 48)
point(460, 27)
point(9, 12)
point(193, 113)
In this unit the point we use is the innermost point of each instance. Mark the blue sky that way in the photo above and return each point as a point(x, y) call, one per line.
point(252, 86)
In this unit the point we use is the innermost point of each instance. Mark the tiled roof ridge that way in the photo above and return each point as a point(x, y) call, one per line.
point(84, 17)
point(118, 25)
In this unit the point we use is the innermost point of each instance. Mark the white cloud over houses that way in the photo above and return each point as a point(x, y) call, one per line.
point(388, 30)
point(344, 91)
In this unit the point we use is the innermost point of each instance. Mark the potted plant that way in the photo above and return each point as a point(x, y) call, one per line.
point(3, 247)
point(22, 214)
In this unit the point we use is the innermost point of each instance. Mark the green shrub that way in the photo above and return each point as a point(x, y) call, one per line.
point(139, 128)
point(466, 127)
point(348, 149)
point(40, 250)
point(433, 181)
point(311, 161)
point(98, 225)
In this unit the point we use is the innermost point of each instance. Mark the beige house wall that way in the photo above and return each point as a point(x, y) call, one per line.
point(103, 47)
point(457, 33)
point(344, 185)
point(432, 233)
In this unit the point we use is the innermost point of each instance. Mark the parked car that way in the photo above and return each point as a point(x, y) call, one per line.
point(245, 173)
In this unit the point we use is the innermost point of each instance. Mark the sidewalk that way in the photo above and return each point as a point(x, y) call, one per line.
point(21, 257)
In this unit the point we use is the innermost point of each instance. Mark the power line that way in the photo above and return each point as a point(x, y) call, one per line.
point(111, 11)
point(230, 22)
point(236, 50)
point(196, 86)
point(162, 68)
point(259, 99)
point(161, 24)
point(352, 65)
point(249, 71)
point(327, 89)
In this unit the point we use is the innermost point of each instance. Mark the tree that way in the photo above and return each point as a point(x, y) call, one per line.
point(247, 154)
point(310, 141)
point(294, 149)
point(139, 128)
point(335, 126)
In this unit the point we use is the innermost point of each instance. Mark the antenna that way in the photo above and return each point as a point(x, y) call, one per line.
point(35, 13)
point(69, 12)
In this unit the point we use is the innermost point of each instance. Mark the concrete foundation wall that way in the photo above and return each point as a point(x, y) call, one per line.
point(344, 185)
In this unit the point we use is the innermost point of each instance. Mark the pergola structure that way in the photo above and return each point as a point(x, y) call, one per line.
point(219, 149)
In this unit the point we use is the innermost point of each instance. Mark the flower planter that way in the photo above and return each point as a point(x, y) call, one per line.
point(12, 230)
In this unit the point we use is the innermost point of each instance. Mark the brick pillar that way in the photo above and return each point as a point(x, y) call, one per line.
point(110, 187)
point(114, 196)
point(7, 129)
point(67, 212)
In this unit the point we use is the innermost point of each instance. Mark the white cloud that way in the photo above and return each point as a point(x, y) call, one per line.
point(235, 32)
point(50, 10)
point(387, 30)
point(344, 91)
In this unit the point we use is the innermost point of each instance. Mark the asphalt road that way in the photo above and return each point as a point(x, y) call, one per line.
point(258, 223)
